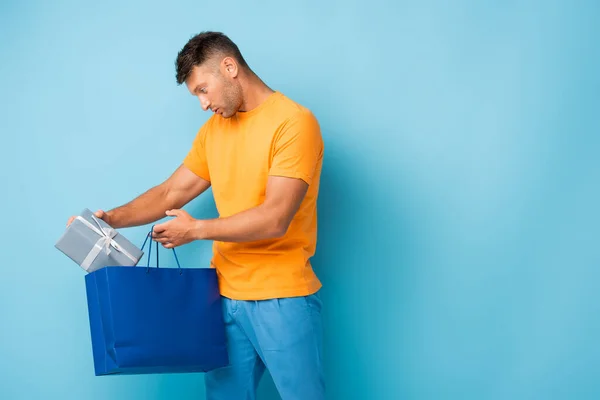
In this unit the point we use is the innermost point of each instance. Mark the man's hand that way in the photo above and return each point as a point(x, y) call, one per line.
point(99, 214)
point(176, 232)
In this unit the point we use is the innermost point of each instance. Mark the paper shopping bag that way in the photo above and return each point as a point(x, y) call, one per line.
point(155, 320)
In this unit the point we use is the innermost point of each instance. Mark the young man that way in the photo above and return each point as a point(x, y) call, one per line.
point(262, 154)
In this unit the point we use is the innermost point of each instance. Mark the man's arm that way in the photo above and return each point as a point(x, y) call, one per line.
point(269, 220)
point(180, 188)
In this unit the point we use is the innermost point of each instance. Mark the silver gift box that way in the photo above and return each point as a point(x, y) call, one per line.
point(93, 244)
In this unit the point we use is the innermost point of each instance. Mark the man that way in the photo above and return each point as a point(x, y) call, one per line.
point(262, 154)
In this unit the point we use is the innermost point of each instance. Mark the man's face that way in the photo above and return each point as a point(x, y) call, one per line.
point(216, 91)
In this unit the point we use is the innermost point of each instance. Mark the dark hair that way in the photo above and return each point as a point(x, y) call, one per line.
point(200, 48)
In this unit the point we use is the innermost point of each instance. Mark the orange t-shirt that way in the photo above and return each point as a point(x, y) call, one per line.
point(237, 155)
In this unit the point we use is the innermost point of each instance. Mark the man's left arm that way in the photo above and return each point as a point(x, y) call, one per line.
point(298, 150)
point(269, 220)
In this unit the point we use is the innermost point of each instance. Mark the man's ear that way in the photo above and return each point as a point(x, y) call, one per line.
point(230, 67)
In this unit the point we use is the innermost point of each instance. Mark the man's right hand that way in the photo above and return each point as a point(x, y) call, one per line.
point(99, 214)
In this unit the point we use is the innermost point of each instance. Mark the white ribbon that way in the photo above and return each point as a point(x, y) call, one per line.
point(103, 244)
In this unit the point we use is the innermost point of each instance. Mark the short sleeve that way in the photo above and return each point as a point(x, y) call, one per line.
point(195, 160)
point(298, 148)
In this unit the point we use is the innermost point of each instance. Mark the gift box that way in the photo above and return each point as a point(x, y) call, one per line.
point(93, 244)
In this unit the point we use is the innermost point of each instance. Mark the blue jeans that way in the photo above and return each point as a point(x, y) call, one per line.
point(283, 335)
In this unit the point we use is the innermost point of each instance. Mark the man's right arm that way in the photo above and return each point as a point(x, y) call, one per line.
point(179, 189)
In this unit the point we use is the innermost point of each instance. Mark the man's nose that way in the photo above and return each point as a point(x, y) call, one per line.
point(204, 103)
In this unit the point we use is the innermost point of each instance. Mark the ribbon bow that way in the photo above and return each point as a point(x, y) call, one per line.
point(104, 243)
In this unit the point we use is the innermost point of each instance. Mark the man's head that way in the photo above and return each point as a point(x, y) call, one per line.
point(210, 65)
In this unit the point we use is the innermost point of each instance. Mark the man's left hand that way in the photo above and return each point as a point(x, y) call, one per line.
point(177, 231)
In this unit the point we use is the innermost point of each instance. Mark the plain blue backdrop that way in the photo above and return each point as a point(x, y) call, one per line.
point(458, 216)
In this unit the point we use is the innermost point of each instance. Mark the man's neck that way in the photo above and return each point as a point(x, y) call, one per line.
point(254, 92)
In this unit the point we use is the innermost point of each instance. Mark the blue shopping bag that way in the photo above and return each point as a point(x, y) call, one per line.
point(155, 320)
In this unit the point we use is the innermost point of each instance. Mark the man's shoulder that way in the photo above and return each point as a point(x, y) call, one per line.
point(297, 120)
point(288, 113)
point(291, 108)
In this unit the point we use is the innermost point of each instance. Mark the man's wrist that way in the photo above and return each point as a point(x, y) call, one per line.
point(199, 230)
point(112, 219)
point(108, 218)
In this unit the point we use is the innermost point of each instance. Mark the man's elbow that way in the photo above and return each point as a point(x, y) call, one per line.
point(278, 227)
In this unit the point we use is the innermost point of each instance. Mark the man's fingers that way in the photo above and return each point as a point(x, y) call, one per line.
point(160, 235)
point(176, 212)
point(158, 229)
point(70, 220)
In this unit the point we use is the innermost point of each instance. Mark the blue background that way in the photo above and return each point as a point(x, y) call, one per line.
point(459, 221)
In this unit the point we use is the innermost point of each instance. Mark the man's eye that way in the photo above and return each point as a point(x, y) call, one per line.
point(203, 90)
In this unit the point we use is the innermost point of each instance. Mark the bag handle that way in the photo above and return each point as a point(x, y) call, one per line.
point(149, 235)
